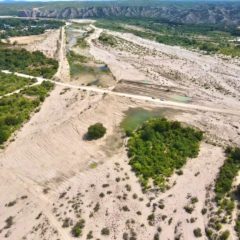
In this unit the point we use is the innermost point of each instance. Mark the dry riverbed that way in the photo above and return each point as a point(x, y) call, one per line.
point(51, 176)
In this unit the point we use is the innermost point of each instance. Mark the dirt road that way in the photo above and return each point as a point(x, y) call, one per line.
point(158, 102)
point(63, 72)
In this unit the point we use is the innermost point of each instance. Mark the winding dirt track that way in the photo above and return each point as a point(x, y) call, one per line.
point(158, 102)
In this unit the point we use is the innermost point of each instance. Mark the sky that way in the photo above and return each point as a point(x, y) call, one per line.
point(112, 0)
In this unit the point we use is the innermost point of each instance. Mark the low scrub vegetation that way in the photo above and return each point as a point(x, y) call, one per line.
point(225, 196)
point(76, 63)
point(82, 43)
point(237, 226)
point(105, 231)
point(20, 60)
point(10, 27)
point(17, 108)
point(10, 83)
point(77, 228)
point(208, 38)
point(227, 173)
point(197, 232)
point(159, 147)
point(96, 131)
point(107, 39)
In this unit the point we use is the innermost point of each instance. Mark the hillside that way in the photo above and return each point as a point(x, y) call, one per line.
point(193, 13)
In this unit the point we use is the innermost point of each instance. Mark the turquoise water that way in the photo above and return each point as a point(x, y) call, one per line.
point(179, 98)
point(135, 117)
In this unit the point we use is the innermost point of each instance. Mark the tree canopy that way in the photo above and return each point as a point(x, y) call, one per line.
point(159, 147)
point(96, 131)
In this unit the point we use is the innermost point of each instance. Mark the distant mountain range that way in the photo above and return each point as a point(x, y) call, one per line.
point(224, 13)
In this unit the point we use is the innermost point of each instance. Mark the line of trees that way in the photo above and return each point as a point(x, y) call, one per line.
point(10, 27)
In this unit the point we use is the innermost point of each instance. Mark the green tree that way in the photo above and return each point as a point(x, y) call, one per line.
point(96, 131)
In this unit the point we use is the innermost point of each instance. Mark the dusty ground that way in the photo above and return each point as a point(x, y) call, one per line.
point(23, 40)
point(208, 80)
point(51, 176)
point(63, 175)
point(46, 43)
point(63, 73)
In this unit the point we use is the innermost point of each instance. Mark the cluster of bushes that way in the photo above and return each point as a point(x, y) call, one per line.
point(78, 227)
point(197, 232)
point(10, 83)
point(227, 173)
point(39, 91)
point(107, 39)
point(96, 131)
point(224, 183)
point(233, 51)
point(159, 147)
point(20, 60)
point(16, 109)
point(82, 43)
point(10, 27)
point(176, 40)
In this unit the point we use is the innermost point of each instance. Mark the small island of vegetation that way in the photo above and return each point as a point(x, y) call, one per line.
point(159, 147)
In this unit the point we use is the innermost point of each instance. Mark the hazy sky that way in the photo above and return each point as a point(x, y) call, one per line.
point(117, 0)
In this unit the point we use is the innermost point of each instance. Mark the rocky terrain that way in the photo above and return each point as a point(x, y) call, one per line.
point(202, 13)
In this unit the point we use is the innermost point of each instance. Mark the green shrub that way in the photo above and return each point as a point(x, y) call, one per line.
point(107, 39)
point(105, 231)
point(189, 209)
point(90, 235)
point(204, 211)
point(96, 131)
point(77, 229)
point(197, 232)
point(151, 219)
point(4, 135)
point(237, 226)
point(225, 235)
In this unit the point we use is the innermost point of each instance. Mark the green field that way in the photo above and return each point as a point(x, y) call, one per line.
point(10, 83)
